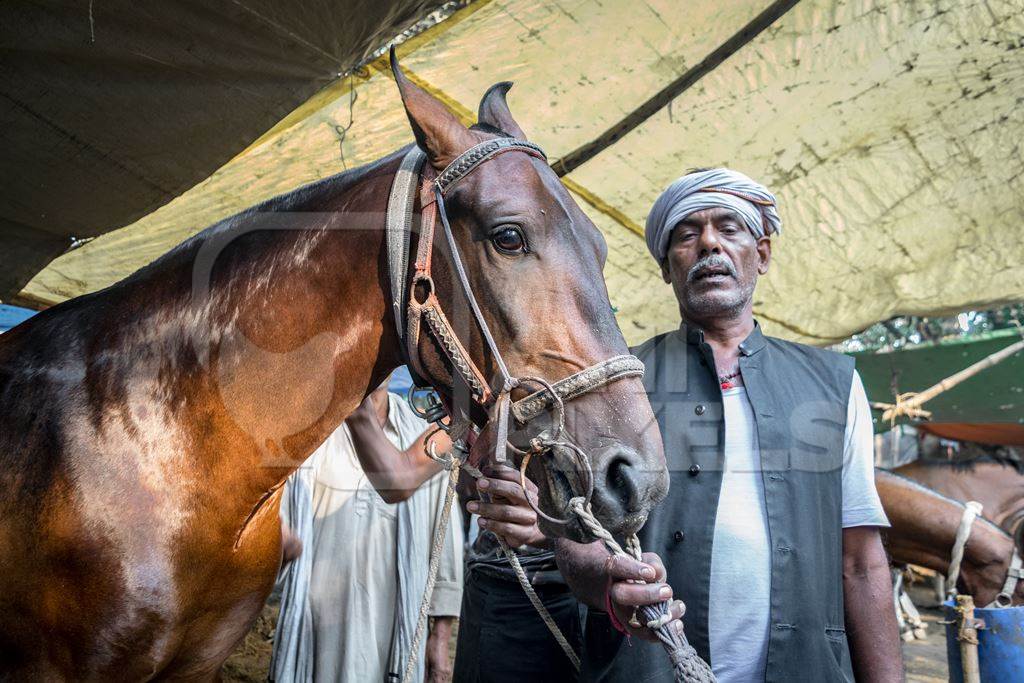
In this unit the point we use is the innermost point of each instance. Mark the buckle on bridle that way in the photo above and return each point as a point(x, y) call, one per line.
point(425, 280)
point(427, 404)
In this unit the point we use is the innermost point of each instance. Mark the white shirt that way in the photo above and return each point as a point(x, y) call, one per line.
point(344, 608)
point(739, 614)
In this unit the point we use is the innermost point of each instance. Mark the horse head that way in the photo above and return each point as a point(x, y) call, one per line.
point(534, 263)
point(1017, 590)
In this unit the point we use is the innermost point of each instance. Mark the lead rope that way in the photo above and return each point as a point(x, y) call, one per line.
point(453, 464)
point(686, 663)
point(531, 594)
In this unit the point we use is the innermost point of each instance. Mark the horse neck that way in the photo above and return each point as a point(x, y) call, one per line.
point(288, 321)
point(998, 486)
point(924, 526)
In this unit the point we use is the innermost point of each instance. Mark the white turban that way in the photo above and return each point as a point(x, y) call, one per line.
point(715, 188)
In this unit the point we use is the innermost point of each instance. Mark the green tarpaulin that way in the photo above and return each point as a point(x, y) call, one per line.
point(988, 407)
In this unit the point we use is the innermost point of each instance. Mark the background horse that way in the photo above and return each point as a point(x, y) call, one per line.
point(997, 483)
point(146, 429)
point(923, 531)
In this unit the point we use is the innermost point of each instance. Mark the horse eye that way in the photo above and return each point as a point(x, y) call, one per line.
point(509, 240)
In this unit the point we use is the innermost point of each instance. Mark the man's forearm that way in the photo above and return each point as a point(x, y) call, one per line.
point(870, 618)
point(394, 473)
point(441, 627)
point(584, 567)
point(439, 663)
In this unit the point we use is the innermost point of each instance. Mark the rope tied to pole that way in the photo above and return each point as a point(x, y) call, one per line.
point(909, 404)
point(906, 405)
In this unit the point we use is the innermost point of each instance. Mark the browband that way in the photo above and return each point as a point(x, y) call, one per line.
point(464, 164)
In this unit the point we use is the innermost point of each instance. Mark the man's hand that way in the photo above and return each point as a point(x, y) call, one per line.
point(291, 546)
point(626, 594)
point(508, 514)
point(439, 661)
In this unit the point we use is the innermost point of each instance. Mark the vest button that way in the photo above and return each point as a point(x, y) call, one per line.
point(679, 536)
point(694, 470)
point(700, 409)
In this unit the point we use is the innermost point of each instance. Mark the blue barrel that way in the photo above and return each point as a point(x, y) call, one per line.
point(1000, 644)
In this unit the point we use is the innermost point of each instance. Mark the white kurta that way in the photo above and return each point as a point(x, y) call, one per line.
point(349, 603)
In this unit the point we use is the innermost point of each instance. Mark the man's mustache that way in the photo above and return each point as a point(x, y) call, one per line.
point(710, 262)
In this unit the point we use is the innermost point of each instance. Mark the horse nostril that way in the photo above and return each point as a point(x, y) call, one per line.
point(621, 484)
point(624, 488)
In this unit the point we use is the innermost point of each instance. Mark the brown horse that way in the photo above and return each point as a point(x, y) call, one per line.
point(996, 483)
point(924, 525)
point(145, 430)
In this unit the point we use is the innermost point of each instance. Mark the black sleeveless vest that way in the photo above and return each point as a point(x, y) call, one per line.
point(799, 399)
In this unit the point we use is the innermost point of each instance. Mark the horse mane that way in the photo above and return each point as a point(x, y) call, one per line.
point(996, 456)
point(292, 200)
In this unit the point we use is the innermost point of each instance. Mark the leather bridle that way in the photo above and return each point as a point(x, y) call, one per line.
point(417, 308)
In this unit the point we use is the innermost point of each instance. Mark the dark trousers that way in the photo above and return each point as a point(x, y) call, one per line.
point(502, 639)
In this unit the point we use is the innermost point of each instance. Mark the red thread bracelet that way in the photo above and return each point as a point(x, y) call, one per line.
point(611, 612)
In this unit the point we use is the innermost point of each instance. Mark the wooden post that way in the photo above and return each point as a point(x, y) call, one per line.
point(967, 635)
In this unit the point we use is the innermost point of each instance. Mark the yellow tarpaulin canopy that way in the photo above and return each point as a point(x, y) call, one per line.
point(890, 131)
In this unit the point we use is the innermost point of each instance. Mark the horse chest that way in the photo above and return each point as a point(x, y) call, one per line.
point(182, 614)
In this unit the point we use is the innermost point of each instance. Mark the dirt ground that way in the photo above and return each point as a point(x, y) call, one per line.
point(925, 659)
point(250, 661)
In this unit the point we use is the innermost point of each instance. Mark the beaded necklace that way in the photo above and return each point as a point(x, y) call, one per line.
point(724, 379)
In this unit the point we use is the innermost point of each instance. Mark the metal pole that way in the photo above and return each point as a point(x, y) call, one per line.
point(967, 635)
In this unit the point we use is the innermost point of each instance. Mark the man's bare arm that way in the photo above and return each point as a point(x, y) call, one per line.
point(395, 474)
point(439, 662)
point(870, 618)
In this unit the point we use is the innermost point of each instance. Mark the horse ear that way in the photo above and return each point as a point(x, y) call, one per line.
point(438, 131)
point(494, 110)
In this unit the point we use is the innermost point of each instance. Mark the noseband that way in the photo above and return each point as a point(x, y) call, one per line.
point(416, 303)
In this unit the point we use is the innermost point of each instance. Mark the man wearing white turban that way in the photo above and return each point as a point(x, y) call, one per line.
point(770, 531)
point(720, 188)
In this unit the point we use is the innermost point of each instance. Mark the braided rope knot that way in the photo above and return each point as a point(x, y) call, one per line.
point(907, 405)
